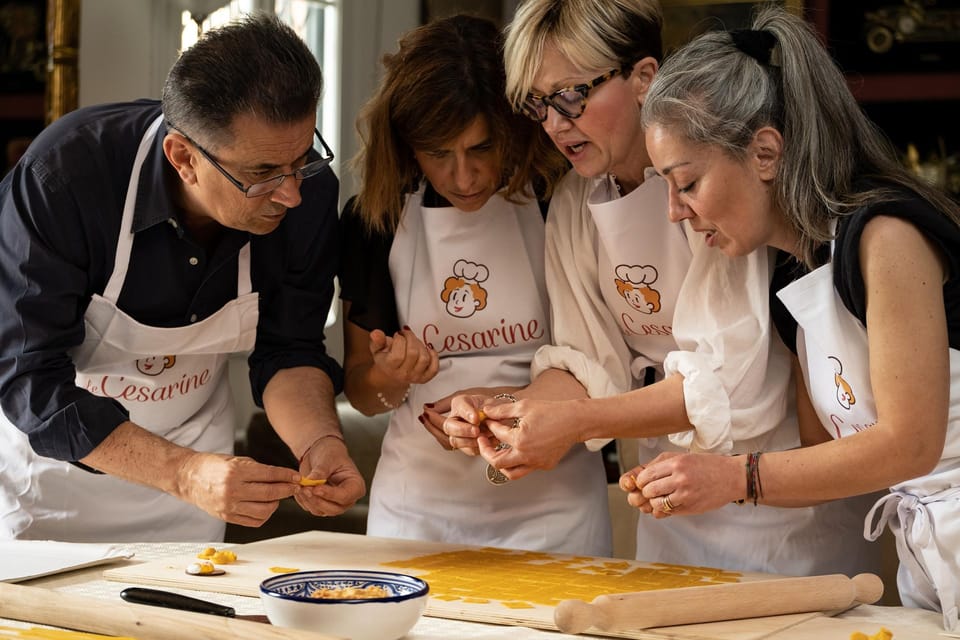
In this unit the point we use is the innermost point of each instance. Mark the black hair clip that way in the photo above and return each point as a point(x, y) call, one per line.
point(756, 44)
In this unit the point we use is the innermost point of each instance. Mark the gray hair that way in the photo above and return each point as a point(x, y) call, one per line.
point(594, 35)
point(712, 93)
point(256, 65)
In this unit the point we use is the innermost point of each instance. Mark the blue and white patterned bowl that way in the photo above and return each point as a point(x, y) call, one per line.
point(287, 603)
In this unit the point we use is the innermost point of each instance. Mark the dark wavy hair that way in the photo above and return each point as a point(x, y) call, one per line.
point(444, 75)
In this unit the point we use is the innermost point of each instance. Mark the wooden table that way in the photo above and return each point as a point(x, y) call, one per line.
point(905, 623)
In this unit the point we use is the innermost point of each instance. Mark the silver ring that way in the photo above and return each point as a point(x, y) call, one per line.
point(516, 423)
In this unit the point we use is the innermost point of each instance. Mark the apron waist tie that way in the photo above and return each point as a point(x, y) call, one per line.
point(911, 523)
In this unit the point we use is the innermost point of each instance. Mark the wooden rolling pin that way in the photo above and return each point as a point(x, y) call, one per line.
point(734, 601)
point(95, 615)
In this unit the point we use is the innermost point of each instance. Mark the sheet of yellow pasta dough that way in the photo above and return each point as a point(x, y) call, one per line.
point(481, 584)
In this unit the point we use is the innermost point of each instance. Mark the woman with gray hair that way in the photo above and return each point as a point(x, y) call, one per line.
point(649, 340)
point(866, 286)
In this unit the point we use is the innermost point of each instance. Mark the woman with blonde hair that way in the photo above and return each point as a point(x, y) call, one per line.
point(700, 370)
point(443, 290)
point(866, 286)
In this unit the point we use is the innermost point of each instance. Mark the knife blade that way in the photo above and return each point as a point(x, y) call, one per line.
point(170, 600)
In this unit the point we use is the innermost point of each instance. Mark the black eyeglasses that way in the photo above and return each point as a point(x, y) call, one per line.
point(569, 101)
point(258, 189)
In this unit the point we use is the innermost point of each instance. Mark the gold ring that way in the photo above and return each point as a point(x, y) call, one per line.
point(665, 505)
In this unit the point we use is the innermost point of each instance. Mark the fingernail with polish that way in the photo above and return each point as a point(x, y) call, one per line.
point(429, 405)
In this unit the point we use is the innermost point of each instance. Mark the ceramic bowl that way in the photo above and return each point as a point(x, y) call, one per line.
point(287, 601)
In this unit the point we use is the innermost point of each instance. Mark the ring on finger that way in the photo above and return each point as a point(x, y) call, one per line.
point(666, 505)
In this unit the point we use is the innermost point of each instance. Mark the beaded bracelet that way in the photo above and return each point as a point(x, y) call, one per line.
point(314, 443)
point(383, 399)
point(506, 396)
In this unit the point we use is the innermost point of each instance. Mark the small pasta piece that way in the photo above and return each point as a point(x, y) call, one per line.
point(351, 593)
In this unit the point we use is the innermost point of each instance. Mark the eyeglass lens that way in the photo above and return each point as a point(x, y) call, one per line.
point(306, 171)
point(569, 102)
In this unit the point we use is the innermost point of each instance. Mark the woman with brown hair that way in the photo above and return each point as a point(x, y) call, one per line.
point(443, 290)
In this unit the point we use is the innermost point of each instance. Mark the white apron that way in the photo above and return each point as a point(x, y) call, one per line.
point(634, 231)
point(642, 261)
point(923, 512)
point(173, 383)
point(472, 286)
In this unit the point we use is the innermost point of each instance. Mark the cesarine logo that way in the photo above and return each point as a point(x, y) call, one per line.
point(845, 397)
point(633, 284)
point(462, 292)
point(155, 365)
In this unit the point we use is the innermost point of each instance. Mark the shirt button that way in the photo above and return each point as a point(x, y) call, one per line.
point(193, 318)
point(194, 262)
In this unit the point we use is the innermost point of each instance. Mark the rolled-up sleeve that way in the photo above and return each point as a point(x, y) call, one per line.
point(736, 370)
point(294, 309)
point(586, 340)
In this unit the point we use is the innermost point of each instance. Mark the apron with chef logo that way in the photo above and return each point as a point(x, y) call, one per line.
point(923, 512)
point(642, 261)
point(173, 383)
point(471, 285)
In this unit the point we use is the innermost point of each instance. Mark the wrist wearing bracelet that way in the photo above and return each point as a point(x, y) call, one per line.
point(754, 487)
point(383, 399)
point(314, 443)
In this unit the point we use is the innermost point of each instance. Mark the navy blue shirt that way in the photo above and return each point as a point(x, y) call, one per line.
point(60, 212)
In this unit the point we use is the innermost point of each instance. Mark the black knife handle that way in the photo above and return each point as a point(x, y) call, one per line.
point(170, 600)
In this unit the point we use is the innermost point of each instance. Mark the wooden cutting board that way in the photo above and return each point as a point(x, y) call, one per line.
point(478, 584)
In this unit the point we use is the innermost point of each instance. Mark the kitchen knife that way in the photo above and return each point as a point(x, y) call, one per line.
point(158, 598)
point(106, 617)
point(734, 601)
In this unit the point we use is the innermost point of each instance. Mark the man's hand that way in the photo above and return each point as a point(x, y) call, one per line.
point(328, 459)
point(235, 489)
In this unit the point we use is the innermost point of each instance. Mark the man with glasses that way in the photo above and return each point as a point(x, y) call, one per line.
point(140, 245)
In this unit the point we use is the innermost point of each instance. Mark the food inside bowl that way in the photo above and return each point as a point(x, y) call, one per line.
point(352, 593)
point(358, 604)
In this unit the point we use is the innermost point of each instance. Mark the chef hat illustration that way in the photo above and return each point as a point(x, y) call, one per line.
point(636, 274)
point(470, 271)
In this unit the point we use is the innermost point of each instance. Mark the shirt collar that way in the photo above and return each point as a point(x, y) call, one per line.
point(154, 201)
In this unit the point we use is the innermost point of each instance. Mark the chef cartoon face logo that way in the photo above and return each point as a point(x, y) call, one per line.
point(462, 292)
point(154, 365)
point(633, 283)
point(845, 396)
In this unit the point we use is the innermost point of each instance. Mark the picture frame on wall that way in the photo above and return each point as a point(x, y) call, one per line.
point(684, 20)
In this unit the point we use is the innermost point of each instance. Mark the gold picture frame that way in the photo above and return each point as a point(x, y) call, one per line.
point(63, 47)
point(683, 20)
